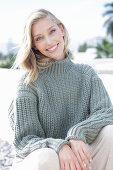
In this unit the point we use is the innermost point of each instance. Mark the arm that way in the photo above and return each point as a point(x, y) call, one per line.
point(28, 132)
point(101, 113)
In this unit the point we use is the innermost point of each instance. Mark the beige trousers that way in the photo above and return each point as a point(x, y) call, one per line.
point(101, 151)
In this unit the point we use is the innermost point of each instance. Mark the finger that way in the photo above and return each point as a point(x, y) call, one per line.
point(80, 160)
point(85, 161)
point(72, 166)
point(77, 165)
point(67, 167)
point(87, 154)
point(62, 166)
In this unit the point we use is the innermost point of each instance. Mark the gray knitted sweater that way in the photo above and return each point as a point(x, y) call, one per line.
point(69, 101)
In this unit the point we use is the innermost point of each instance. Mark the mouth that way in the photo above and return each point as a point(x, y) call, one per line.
point(53, 48)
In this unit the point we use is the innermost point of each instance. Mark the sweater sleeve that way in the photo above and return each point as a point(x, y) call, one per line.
point(28, 132)
point(100, 113)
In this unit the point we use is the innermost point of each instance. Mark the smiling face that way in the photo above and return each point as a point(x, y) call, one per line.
point(48, 38)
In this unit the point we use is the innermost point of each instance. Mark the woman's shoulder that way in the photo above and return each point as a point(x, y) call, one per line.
point(22, 87)
point(84, 69)
point(21, 79)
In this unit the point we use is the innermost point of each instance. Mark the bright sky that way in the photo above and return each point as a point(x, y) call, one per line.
point(83, 18)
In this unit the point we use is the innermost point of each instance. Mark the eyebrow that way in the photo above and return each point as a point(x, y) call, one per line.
point(48, 29)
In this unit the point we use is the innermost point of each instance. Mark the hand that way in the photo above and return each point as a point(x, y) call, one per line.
point(68, 160)
point(80, 150)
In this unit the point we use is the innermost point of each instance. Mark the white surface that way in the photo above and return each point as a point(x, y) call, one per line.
point(104, 66)
point(8, 80)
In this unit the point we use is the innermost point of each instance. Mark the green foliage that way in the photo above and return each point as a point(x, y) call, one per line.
point(109, 21)
point(83, 47)
point(103, 47)
point(6, 61)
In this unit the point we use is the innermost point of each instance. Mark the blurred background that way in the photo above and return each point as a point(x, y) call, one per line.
point(90, 27)
point(89, 23)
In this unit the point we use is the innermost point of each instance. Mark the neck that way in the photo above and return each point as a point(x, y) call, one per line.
point(58, 66)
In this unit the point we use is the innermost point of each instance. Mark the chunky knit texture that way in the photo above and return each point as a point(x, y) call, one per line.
point(67, 101)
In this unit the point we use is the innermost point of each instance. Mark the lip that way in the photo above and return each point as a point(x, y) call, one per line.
point(54, 49)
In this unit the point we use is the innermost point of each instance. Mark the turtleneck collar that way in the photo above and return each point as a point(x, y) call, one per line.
point(58, 66)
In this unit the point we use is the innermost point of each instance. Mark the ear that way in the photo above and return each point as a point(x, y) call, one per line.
point(62, 29)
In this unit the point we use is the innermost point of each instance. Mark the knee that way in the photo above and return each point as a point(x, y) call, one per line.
point(48, 154)
point(44, 158)
point(107, 134)
point(48, 159)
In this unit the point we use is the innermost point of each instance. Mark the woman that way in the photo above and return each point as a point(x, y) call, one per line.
point(61, 111)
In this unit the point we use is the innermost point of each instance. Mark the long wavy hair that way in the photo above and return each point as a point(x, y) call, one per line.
point(30, 59)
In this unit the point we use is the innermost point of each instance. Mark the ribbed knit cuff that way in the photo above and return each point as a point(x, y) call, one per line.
point(76, 133)
point(76, 137)
point(61, 144)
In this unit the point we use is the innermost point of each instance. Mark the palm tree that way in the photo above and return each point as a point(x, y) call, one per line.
point(109, 22)
point(103, 47)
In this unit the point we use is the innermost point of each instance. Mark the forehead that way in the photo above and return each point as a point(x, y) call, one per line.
point(42, 25)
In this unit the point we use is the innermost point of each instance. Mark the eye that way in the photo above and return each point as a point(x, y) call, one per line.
point(39, 38)
point(52, 31)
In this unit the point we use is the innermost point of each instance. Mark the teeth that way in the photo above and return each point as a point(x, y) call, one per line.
point(52, 48)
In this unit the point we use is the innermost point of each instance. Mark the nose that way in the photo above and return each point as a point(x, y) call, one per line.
point(48, 40)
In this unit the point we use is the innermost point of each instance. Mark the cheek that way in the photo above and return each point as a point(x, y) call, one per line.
point(60, 37)
point(40, 46)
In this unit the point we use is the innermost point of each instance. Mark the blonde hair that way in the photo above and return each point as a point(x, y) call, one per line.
point(26, 58)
